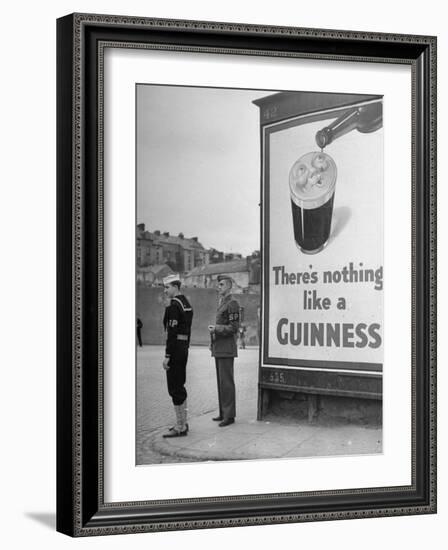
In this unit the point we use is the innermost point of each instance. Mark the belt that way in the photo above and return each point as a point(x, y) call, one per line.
point(182, 337)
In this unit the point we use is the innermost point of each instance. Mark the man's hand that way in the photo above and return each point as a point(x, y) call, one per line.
point(165, 363)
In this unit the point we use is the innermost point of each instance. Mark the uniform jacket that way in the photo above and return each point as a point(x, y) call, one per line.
point(223, 342)
point(177, 322)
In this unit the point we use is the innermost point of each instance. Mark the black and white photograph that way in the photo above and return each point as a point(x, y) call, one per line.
point(259, 274)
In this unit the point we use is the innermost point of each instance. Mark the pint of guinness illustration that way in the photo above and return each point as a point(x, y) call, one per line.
point(312, 181)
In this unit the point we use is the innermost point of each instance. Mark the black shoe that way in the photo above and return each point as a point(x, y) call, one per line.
point(226, 422)
point(217, 419)
point(174, 432)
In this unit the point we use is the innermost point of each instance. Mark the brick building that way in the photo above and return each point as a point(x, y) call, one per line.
point(181, 254)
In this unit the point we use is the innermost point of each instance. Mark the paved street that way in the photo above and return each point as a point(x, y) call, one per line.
point(247, 438)
point(154, 406)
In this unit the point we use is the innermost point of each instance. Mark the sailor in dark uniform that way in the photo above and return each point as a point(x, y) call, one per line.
point(177, 322)
point(224, 349)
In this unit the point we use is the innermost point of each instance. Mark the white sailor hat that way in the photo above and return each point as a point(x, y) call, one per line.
point(169, 279)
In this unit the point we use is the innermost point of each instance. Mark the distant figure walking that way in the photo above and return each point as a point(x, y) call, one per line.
point(139, 331)
point(242, 337)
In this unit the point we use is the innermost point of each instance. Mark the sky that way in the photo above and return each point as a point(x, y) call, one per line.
point(198, 164)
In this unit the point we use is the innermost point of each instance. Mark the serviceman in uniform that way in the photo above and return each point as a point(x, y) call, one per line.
point(224, 349)
point(177, 322)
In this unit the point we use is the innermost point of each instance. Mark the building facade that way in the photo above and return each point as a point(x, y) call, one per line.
point(181, 254)
point(159, 253)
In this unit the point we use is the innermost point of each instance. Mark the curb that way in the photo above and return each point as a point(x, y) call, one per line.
point(163, 447)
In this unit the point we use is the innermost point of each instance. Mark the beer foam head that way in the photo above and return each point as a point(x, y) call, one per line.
point(312, 179)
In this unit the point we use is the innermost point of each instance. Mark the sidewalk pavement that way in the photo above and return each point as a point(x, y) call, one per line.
point(248, 438)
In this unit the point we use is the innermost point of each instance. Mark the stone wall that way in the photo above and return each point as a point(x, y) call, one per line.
point(150, 308)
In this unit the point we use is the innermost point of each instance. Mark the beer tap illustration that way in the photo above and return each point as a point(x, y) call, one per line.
point(312, 178)
point(366, 119)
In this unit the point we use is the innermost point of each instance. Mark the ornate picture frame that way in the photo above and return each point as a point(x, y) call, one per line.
point(81, 506)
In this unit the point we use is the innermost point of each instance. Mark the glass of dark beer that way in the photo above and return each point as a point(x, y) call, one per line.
point(312, 181)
